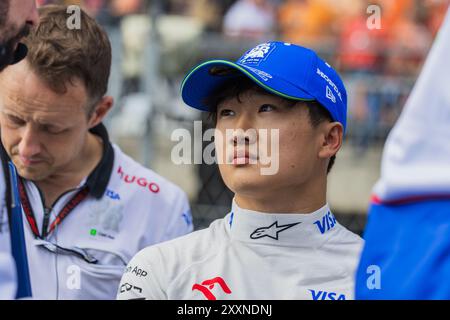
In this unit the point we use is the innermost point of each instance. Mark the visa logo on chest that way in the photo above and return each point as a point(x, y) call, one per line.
point(327, 223)
point(325, 295)
point(113, 195)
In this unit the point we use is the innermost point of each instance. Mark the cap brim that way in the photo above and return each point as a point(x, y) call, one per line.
point(199, 83)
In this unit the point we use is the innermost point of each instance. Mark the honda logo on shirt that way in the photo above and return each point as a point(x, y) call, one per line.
point(207, 286)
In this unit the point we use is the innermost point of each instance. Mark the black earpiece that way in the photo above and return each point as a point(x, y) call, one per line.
point(7, 59)
point(3, 56)
point(20, 54)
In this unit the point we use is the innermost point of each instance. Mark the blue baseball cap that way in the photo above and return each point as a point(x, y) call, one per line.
point(284, 69)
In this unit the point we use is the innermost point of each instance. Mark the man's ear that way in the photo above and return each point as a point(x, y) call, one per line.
point(332, 136)
point(101, 109)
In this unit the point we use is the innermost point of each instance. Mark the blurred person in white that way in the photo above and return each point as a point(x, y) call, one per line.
point(88, 207)
point(281, 239)
point(407, 250)
point(250, 19)
point(16, 19)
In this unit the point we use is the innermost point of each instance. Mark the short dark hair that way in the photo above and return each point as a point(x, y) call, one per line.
point(60, 55)
point(237, 85)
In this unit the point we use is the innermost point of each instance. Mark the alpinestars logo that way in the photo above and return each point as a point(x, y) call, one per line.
point(271, 231)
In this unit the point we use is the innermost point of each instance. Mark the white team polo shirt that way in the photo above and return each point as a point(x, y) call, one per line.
point(250, 255)
point(128, 207)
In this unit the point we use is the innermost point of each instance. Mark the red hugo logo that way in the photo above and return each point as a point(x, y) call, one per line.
point(206, 286)
point(153, 187)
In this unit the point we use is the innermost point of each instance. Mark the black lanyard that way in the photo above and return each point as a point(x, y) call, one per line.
point(68, 208)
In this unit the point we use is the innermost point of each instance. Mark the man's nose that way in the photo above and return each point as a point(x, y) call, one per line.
point(241, 138)
point(244, 122)
point(244, 131)
point(29, 144)
point(33, 16)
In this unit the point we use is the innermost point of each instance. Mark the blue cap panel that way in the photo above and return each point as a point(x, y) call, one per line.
point(284, 69)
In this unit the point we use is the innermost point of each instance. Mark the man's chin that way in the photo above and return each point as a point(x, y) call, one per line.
point(33, 174)
point(248, 184)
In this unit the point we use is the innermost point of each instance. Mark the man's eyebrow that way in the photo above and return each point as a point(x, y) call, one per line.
point(48, 124)
point(10, 113)
point(41, 122)
point(281, 102)
point(225, 103)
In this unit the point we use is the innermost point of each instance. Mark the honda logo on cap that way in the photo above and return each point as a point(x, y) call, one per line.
point(330, 95)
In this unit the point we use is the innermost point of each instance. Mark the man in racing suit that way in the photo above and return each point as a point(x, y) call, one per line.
point(281, 239)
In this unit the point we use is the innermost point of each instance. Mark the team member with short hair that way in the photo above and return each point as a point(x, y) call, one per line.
point(88, 207)
point(280, 240)
point(16, 19)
